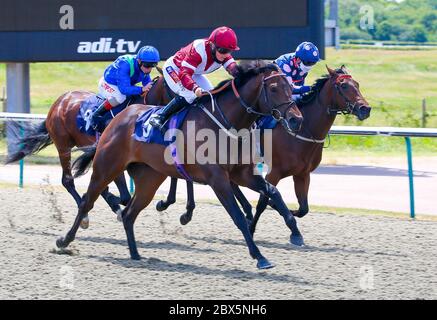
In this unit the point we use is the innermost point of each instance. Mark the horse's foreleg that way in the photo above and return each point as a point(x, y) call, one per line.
point(147, 181)
point(171, 197)
point(221, 185)
point(257, 183)
point(247, 207)
point(273, 178)
point(191, 205)
point(301, 187)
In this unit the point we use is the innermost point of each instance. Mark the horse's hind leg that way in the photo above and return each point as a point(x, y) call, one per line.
point(67, 177)
point(191, 204)
point(171, 197)
point(68, 181)
point(122, 188)
point(112, 200)
point(100, 179)
point(147, 181)
point(93, 192)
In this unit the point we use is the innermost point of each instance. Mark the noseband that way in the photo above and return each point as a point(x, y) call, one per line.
point(350, 107)
point(275, 112)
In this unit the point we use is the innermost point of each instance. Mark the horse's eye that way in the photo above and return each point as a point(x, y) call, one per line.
point(344, 86)
point(274, 87)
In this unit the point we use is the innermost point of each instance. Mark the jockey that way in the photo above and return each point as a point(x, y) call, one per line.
point(120, 79)
point(184, 71)
point(296, 66)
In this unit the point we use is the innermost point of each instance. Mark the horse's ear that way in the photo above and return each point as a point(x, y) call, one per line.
point(343, 68)
point(331, 72)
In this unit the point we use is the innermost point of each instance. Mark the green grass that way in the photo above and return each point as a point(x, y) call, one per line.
point(394, 83)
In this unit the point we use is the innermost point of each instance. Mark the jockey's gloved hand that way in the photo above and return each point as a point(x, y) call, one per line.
point(198, 92)
point(301, 90)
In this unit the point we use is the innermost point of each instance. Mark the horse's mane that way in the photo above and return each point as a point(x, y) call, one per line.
point(246, 71)
point(315, 89)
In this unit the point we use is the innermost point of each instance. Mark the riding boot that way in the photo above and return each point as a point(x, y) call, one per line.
point(98, 113)
point(159, 118)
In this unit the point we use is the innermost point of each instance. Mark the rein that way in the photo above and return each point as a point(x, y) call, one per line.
point(277, 115)
point(332, 111)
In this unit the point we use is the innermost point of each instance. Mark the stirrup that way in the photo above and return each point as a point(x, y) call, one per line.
point(156, 122)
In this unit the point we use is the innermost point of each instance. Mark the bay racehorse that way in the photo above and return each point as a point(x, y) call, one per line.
point(61, 129)
point(298, 156)
point(259, 89)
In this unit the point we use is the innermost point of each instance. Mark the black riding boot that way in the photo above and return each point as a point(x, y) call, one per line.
point(159, 118)
point(100, 111)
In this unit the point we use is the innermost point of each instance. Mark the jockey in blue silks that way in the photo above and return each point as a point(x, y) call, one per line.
point(296, 66)
point(120, 79)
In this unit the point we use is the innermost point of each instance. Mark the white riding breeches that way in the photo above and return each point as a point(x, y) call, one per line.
point(177, 87)
point(111, 93)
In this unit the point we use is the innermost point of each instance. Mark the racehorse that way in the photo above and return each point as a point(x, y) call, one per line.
point(259, 89)
point(333, 94)
point(60, 128)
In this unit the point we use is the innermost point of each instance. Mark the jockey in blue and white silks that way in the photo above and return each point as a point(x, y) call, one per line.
point(120, 79)
point(296, 66)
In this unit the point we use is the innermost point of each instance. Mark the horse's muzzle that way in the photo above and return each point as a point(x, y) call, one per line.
point(362, 112)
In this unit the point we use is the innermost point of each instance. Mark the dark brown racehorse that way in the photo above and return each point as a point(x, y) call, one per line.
point(336, 93)
point(259, 89)
point(60, 128)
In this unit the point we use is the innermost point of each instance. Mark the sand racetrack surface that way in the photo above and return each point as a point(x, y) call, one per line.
point(345, 257)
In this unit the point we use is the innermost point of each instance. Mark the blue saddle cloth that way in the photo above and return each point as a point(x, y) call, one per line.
point(267, 122)
point(144, 132)
point(86, 110)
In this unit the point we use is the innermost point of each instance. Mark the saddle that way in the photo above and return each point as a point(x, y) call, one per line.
point(88, 107)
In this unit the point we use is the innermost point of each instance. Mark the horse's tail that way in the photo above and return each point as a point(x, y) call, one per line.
point(28, 137)
point(82, 164)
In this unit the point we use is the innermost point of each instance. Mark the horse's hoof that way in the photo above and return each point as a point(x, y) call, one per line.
point(85, 223)
point(263, 263)
point(297, 240)
point(161, 206)
point(135, 256)
point(120, 215)
point(297, 214)
point(60, 243)
point(184, 219)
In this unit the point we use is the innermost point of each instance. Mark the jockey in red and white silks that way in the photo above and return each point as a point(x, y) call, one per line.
point(185, 71)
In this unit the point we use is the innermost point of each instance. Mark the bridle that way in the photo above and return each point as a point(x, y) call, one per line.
point(350, 107)
point(274, 111)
